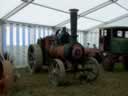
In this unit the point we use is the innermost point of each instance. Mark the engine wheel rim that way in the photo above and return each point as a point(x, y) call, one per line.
point(56, 73)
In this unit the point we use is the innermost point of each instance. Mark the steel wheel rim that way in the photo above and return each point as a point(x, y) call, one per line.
point(54, 75)
point(56, 72)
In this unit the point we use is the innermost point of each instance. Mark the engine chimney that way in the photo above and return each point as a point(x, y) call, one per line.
point(73, 22)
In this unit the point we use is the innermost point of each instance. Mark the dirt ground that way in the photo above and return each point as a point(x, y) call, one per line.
point(107, 84)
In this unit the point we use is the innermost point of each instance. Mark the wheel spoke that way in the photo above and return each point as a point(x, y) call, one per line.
point(56, 72)
point(90, 69)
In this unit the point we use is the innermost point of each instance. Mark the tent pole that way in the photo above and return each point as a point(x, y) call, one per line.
point(17, 9)
point(83, 14)
point(109, 22)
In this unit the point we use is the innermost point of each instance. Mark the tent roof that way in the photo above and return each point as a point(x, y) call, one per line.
point(56, 12)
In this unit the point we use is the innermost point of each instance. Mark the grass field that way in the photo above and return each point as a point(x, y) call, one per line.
point(108, 84)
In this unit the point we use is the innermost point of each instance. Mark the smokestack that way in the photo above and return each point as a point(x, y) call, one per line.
point(73, 20)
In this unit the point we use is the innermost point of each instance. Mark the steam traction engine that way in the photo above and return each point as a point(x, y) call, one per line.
point(62, 53)
point(114, 44)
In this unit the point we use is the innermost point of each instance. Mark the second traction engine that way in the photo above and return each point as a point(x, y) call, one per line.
point(62, 53)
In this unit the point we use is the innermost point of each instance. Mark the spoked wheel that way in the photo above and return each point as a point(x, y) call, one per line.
point(91, 69)
point(35, 58)
point(56, 72)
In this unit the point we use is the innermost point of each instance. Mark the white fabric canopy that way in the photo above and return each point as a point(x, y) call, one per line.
point(38, 15)
point(108, 13)
point(123, 3)
point(7, 5)
point(65, 5)
point(54, 12)
point(84, 24)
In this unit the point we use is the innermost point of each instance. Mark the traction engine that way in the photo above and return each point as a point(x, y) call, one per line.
point(62, 53)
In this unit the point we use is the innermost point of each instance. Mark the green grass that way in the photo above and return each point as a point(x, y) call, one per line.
point(119, 67)
point(108, 84)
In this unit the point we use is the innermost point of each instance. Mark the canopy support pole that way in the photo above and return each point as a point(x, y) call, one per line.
point(83, 14)
point(17, 9)
point(58, 10)
point(109, 22)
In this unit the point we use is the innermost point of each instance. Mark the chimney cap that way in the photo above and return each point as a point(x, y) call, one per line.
point(74, 10)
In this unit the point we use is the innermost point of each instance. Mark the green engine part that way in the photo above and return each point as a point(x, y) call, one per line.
point(119, 45)
point(67, 50)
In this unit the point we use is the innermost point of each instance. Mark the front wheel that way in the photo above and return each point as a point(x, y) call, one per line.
point(56, 72)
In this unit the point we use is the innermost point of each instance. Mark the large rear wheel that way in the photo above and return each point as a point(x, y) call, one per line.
point(91, 69)
point(88, 70)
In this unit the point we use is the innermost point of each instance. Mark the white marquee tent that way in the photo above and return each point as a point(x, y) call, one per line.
point(56, 12)
point(23, 20)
